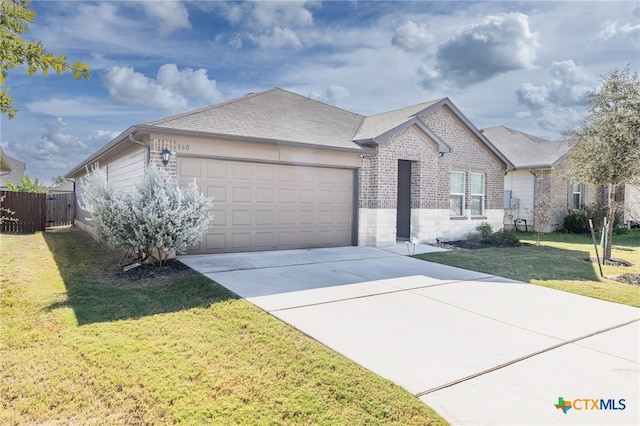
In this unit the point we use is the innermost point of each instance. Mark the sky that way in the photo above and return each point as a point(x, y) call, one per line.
point(521, 64)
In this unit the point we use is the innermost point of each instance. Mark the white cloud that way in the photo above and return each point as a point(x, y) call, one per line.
point(498, 44)
point(172, 90)
point(57, 149)
point(614, 29)
point(74, 107)
point(559, 103)
point(270, 24)
point(567, 87)
point(413, 37)
point(276, 38)
point(334, 95)
point(171, 15)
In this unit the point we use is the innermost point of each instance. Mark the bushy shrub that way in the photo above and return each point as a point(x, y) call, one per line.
point(485, 231)
point(504, 237)
point(157, 218)
point(575, 222)
point(485, 235)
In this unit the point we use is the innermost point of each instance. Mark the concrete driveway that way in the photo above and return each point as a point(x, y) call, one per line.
point(479, 349)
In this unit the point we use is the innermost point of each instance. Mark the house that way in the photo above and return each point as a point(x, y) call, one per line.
point(11, 170)
point(287, 171)
point(536, 179)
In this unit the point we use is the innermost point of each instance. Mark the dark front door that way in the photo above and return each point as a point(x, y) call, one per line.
point(403, 219)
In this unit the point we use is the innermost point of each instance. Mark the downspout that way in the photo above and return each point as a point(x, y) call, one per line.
point(535, 193)
point(147, 149)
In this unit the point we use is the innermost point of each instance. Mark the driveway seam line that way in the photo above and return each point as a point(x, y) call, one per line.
point(397, 290)
point(522, 358)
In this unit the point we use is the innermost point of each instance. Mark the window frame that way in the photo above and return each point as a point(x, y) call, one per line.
point(573, 193)
point(462, 195)
point(473, 195)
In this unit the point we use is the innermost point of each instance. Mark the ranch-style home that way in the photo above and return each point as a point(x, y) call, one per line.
point(537, 178)
point(287, 171)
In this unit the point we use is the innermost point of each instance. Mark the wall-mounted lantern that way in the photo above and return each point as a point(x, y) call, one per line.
point(166, 154)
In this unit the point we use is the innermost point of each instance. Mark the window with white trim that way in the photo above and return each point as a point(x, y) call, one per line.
point(456, 193)
point(476, 183)
point(575, 195)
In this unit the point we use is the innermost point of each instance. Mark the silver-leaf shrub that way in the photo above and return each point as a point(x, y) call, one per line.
point(157, 218)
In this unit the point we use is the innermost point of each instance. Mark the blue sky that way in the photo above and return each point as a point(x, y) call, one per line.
point(522, 64)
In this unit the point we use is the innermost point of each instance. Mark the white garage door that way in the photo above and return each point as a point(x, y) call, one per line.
point(263, 206)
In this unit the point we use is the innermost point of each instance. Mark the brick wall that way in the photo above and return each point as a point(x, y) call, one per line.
point(155, 155)
point(430, 180)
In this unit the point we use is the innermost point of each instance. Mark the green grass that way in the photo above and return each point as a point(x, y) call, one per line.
point(81, 345)
point(558, 263)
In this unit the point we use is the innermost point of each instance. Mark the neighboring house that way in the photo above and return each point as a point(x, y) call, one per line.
point(631, 215)
point(287, 171)
point(65, 188)
point(11, 170)
point(537, 179)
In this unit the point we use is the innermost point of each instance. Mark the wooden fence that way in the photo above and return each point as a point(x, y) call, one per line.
point(60, 209)
point(25, 212)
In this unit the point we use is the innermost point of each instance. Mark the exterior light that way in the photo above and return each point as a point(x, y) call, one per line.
point(166, 154)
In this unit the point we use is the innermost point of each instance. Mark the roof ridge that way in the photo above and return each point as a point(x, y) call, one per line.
point(306, 98)
point(431, 102)
point(208, 107)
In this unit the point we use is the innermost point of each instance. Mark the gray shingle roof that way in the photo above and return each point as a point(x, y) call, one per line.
point(524, 150)
point(274, 114)
point(375, 125)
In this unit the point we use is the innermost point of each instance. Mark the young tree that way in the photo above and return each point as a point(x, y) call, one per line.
point(606, 146)
point(15, 15)
point(26, 185)
point(157, 218)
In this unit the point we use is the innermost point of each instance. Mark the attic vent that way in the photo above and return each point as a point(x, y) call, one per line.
point(250, 93)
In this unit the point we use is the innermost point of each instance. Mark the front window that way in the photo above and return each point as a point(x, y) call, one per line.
point(477, 194)
point(456, 194)
point(576, 195)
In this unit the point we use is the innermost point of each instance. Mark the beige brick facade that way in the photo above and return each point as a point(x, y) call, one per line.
point(430, 170)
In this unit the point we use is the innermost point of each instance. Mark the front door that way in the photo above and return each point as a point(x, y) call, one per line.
point(403, 218)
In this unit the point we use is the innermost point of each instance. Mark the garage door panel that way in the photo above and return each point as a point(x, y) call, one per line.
point(241, 195)
point(264, 218)
point(217, 170)
point(241, 241)
point(287, 195)
point(216, 241)
point(264, 195)
point(262, 206)
point(219, 193)
point(287, 217)
point(306, 217)
point(219, 218)
point(307, 196)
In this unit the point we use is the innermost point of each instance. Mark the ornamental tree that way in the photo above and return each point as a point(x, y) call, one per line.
point(606, 146)
point(15, 17)
point(159, 217)
point(26, 185)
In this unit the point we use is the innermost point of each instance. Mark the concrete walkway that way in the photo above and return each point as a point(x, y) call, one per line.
point(477, 348)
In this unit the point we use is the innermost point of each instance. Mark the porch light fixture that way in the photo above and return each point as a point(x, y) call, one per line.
point(166, 154)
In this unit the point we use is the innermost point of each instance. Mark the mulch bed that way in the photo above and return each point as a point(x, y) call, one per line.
point(633, 279)
point(468, 245)
point(148, 271)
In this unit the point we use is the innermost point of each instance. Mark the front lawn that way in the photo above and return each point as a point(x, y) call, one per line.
point(560, 263)
point(82, 344)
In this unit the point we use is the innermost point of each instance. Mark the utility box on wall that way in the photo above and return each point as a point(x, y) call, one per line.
point(514, 203)
point(507, 199)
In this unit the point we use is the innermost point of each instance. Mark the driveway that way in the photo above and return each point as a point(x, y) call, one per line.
point(479, 349)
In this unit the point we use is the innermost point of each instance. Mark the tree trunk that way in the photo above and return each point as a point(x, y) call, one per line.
point(611, 219)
